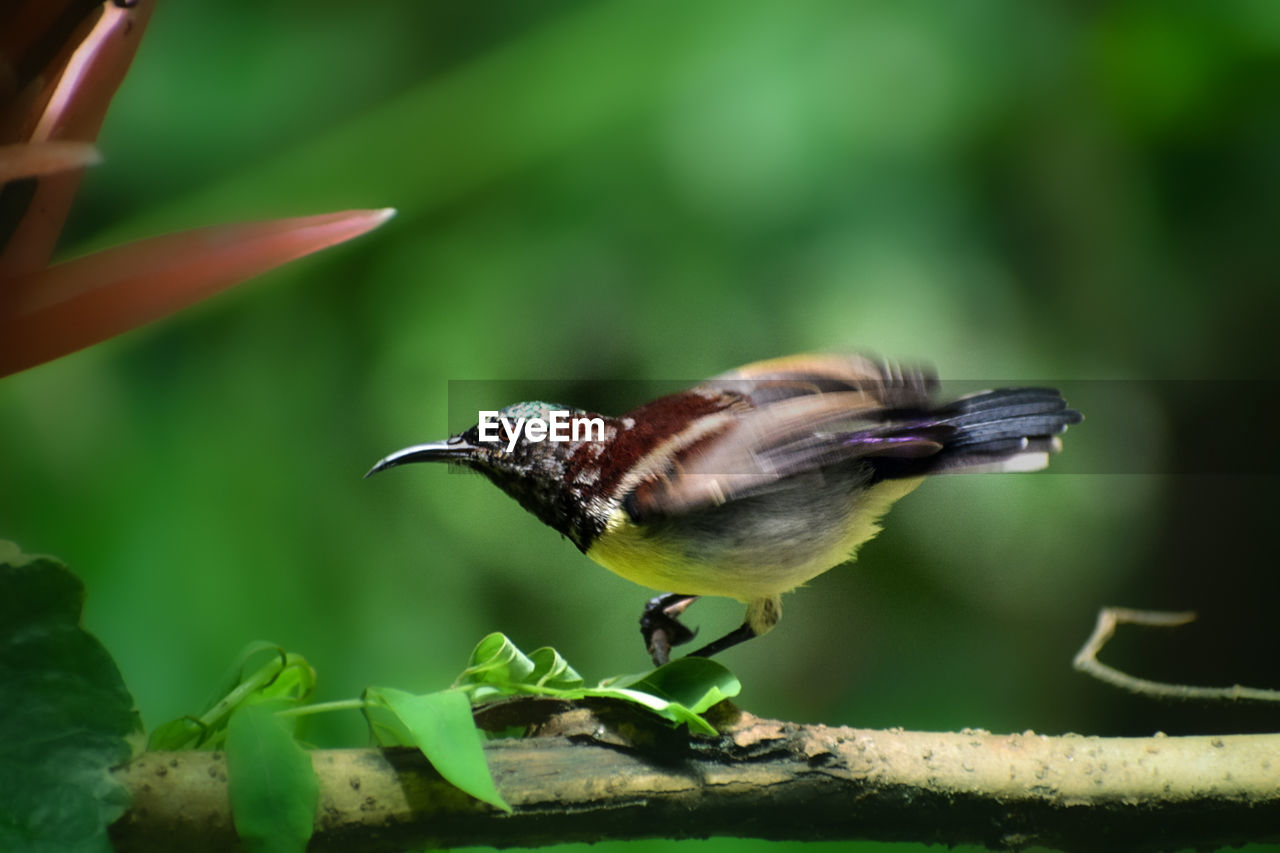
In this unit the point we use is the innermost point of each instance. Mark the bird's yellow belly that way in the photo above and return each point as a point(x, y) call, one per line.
point(746, 549)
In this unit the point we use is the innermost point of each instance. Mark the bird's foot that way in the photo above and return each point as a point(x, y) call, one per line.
point(661, 626)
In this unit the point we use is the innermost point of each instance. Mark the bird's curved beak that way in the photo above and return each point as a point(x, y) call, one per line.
point(453, 450)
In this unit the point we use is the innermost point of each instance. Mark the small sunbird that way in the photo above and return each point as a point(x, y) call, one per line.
point(751, 483)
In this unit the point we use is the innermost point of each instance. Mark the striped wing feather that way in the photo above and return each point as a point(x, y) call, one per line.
point(805, 413)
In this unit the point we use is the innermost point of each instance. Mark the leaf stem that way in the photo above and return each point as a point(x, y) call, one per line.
point(321, 707)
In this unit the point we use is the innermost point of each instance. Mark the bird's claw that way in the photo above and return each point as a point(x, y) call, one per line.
point(661, 627)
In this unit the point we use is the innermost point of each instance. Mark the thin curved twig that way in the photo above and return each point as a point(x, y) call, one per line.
point(1109, 617)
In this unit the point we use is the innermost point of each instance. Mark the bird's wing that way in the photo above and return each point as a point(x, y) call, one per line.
point(803, 413)
point(887, 384)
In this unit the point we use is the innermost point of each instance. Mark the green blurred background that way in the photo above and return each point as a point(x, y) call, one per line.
point(1077, 193)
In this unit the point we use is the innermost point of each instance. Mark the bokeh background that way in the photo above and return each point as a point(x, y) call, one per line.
point(1084, 194)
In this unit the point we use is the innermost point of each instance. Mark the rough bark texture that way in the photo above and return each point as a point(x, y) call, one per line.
point(601, 774)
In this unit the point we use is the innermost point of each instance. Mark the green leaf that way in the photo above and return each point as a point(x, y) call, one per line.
point(440, 724)
point(260, 653)
point(551, 670)
point(182, 733)
point(497, 660)
point(673, 711)
point(696, 683)
point(65, 718)
point(270, 780)
point(282, 675)
point(678, 691)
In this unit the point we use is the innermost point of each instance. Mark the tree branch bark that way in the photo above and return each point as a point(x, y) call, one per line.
point(602, 772)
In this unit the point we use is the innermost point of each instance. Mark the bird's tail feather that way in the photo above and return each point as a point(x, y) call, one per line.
point(1011, 429)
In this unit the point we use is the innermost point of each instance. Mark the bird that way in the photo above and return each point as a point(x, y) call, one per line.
point(751, 483)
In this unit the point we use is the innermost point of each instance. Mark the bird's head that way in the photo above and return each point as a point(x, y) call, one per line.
point(526, 449)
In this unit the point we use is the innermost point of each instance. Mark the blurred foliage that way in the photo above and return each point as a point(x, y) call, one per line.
point(67, 718)
point(660, 191)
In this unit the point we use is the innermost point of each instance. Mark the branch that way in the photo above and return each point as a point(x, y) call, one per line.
point(598, 772)
point(1109, 617)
